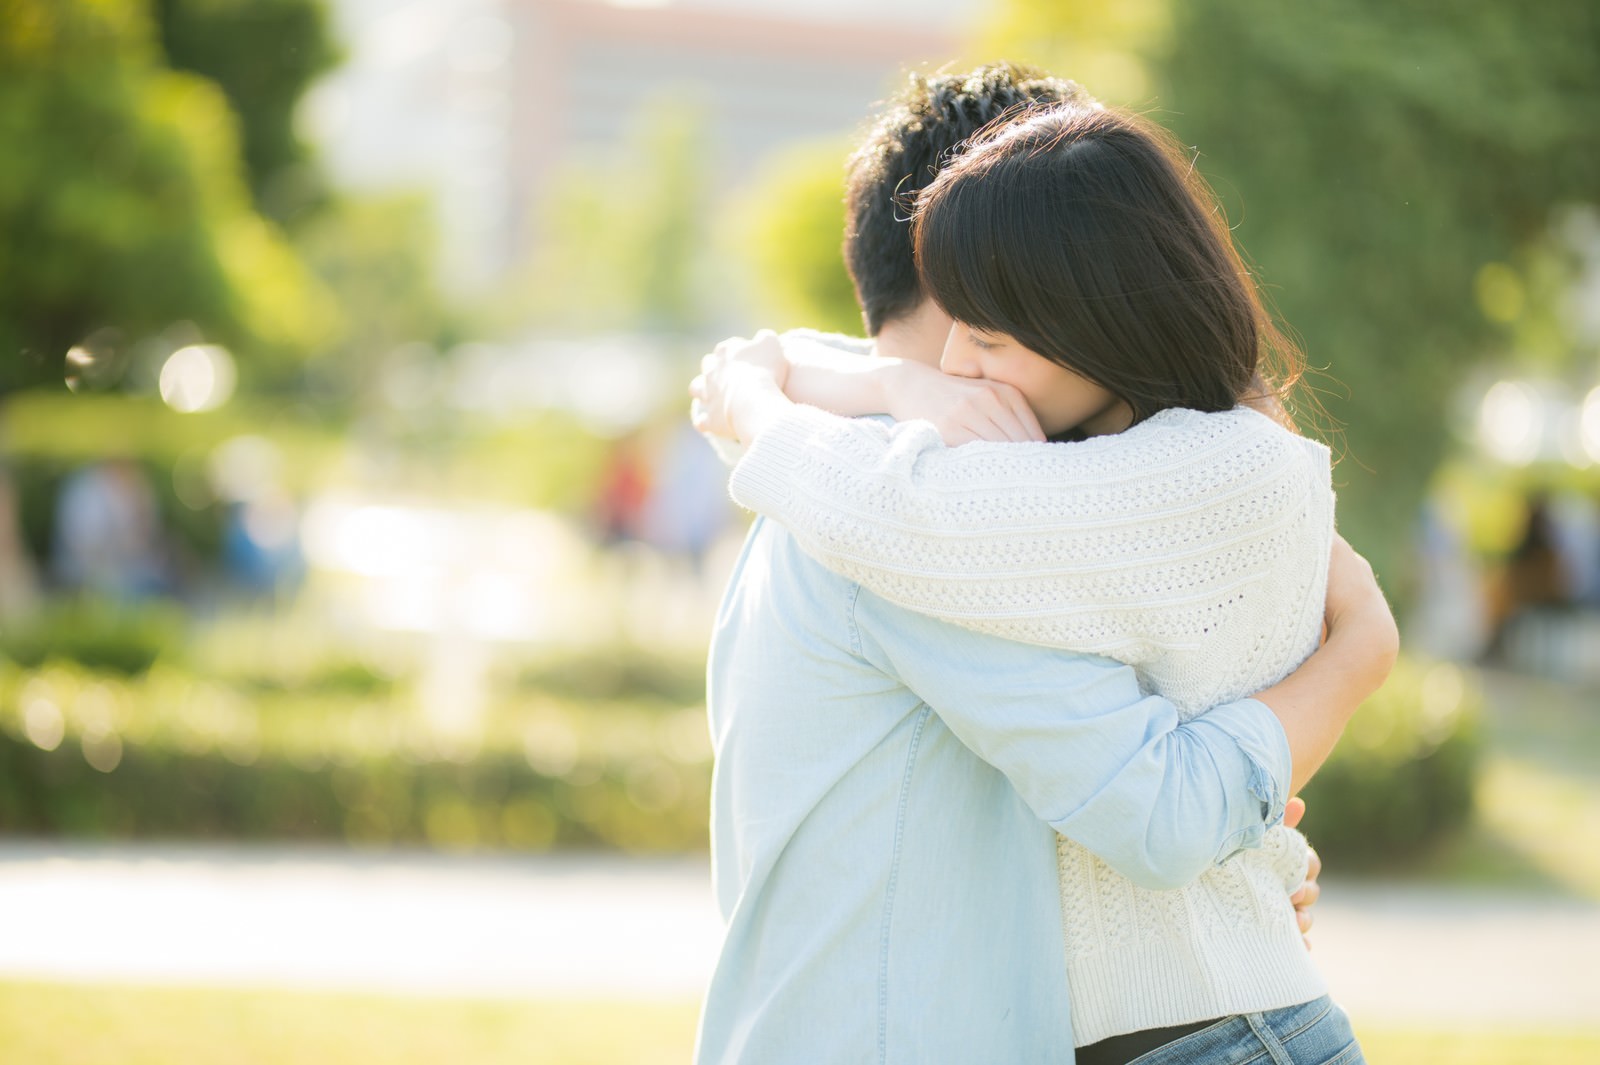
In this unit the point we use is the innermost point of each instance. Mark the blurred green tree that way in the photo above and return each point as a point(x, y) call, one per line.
point(124, 211)
point(1104, 47)
point(376, 254)
point(1376, 157)
point(264, 55)
point(790, 229)
point(619, 236)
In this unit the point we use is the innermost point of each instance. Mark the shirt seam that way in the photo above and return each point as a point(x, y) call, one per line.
point(851, 628)
point(893, 883)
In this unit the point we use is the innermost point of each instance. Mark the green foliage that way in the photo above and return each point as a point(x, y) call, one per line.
point(124, 639)
point(167, 755)
point(1101, 46)
point(1375, 157)
point(127, 212)
point(619, 238)
point(619, 671)
point(263, 54)
point(1401, 781)
point(376, 256)
point(791, 234)
point(46, 435)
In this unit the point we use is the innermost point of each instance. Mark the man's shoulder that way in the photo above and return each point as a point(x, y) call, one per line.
point(854, 345)
point(773, 564)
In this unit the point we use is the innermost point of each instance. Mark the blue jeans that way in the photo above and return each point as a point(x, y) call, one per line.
point(1315, 1033)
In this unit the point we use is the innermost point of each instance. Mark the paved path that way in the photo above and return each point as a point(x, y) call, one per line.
point(608, 926)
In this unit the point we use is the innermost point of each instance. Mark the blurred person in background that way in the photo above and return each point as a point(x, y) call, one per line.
point(624, 490)
point(1576, 521)
point(108, 538)
point(848, 781)
point(687, 506)
point(261, 550)
point(1449, 619)
point(1534, 577)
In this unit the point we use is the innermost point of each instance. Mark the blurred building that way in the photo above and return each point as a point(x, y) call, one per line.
point(478, 100)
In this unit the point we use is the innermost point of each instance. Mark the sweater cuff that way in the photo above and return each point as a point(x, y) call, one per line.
point(1264, 762)
point(792, 451)
point(763, 479)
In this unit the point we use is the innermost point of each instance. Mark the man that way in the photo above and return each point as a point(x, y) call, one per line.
point(888, 787)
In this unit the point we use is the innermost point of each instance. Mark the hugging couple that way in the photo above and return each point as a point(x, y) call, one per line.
point(1042, 622)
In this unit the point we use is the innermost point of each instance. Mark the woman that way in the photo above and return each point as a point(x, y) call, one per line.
point(1098, 299)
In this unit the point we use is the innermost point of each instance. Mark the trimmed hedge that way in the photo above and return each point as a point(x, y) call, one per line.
point(165, 756)
point(343, 756)
point(96, 634)
point(1402, 779)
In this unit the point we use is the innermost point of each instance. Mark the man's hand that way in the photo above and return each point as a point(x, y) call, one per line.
point(1307, 897)
point(963, 409)
point(1309, 891)
point(740, 383)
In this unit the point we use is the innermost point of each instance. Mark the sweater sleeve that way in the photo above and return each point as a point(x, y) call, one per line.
point(1125, 545)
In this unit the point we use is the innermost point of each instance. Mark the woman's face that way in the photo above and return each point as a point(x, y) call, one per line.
point(1061, 399)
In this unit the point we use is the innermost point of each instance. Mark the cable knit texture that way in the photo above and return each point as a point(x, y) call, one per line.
point(1193, 547)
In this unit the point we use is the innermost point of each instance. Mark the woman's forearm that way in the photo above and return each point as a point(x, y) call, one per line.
point(839, 381)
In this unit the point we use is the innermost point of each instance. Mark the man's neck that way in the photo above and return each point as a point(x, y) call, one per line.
point(915, 337)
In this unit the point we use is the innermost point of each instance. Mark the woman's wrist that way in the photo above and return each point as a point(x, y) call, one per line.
point(883, 382)
point(755, 401)
point(840, 383)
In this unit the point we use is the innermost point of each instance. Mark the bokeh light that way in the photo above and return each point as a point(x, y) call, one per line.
point(43, 724)
point(1589, 424)
point(95, 362)
point(1508, 423)
point(197, 378)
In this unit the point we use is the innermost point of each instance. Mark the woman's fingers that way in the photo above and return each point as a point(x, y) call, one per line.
point(1024, 414)
point(1004, 408)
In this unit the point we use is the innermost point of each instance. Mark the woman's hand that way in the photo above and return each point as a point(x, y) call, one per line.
point(1305, 897)
point(1356, 605)
point(740, 386)
point(963, 409)
point(1316, 701)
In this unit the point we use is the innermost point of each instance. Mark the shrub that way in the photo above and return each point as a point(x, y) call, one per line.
point(617, 671)
point(1402, 778)
point(122, 638)
point(166, 755)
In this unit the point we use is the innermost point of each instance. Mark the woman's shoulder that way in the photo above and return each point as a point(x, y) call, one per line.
point(1238, 430)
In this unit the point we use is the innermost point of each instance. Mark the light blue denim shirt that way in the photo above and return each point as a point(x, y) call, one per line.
point(886, 795)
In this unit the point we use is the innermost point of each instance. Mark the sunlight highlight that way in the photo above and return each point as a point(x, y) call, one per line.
point(197, 378)
point(1508, 423)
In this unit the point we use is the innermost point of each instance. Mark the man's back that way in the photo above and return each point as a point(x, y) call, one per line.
point(888, 895)
point(885, 789)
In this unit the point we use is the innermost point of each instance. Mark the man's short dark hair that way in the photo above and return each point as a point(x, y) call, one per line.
point(920, 130)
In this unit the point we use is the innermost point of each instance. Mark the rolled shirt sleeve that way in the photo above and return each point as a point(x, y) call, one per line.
point(1160, 800)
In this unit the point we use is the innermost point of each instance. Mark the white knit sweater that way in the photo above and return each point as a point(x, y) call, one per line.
point(1193, 547)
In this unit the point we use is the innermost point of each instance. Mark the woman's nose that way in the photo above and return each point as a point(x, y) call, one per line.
point(958, 362)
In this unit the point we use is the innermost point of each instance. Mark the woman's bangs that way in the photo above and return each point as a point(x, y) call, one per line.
point(958, 256)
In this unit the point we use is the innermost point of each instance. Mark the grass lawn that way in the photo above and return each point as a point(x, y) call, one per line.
point(61, 1024)
point(58, 1024)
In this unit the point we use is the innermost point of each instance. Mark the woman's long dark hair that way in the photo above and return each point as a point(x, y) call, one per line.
point(1084, 233)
